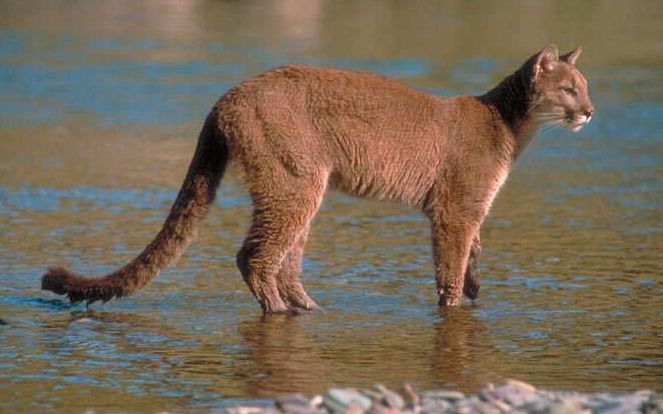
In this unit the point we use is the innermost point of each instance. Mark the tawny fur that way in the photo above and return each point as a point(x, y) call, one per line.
point(296, 131)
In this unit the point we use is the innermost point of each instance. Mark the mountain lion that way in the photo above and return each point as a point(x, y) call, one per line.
point(296, 131)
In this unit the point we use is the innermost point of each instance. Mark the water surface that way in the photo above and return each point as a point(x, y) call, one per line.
point(100, 104)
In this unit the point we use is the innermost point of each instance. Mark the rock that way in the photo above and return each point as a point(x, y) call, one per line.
point(514, 393)
point(354, 409)
point(612, 407)
point(298, 409)
point(316, 401)
point(597, 401)
point(291, 398)
point(334, 407)
point(520, 385)
point(501, 406)
point(653, 405)
point(2, 322)
point(535, 407)
point(630, 403)
point(566, 406)
point(381, 409)
point(474, 405)
point(444, 395)
point(411, 397)
point(389, 397)
point(512, 397)
point(433, 406)
point(245, 410)
point(373, 395)
point(346, 400)
point(295, 404)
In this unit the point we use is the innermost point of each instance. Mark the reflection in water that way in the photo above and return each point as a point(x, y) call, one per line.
point(285, 356)
point(99, 107)
point(288, 357)
point(464, 353)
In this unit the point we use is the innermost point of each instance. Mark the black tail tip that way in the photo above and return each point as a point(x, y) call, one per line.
point(56, 280)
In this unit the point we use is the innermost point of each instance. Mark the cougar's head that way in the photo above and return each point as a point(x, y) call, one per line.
point(559, 90)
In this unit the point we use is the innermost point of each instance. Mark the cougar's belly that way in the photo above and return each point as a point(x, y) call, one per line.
point(394, 176)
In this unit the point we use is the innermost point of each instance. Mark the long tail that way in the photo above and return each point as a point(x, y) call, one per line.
point(195, 196)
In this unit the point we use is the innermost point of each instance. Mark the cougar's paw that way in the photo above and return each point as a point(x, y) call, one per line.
point(293, 294)
point(302, 302)
point(273, 306)
point(471, 290)
point(291, 306)
point(446, 299)
point(472, 277)
point(310, 307)
point(472, 283)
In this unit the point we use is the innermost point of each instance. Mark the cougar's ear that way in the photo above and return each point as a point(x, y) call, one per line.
point(545, 60)
point(572, 56)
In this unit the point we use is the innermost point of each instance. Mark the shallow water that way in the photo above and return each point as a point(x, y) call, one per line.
point(100, 104)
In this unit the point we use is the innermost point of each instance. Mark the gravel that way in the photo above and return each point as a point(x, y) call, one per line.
point(512, 396)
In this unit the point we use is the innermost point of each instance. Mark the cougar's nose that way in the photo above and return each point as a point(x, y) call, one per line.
point(589, 112)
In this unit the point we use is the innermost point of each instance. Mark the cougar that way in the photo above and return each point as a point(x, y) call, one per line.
point(297, 130)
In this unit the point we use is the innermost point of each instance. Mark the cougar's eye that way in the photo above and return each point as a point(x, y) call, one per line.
point(569, 91)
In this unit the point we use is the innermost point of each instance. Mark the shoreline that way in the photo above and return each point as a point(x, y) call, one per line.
point(511, 396)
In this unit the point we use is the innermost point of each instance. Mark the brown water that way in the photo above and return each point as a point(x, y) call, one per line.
point(100, 104)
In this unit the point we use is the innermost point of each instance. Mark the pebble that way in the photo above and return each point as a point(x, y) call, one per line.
point(513, 393)
point(433, 406)
point(444, 395)
point(411, 397)
point(653, 405)
point(246, 410)
point(296, 404)
point(564, 407)
point(346, 400)
point(501, 405)
point(390, 398)
point(475, 405)
point(520, 385)
point(512, 396)
point(317, 400)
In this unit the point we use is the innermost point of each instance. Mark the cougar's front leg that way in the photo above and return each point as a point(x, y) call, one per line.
point(452, 243)
point(456, 213)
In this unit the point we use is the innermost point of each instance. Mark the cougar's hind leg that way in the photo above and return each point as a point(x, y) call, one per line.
point(283, 209)
point(472, 274)
point(289, 284)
